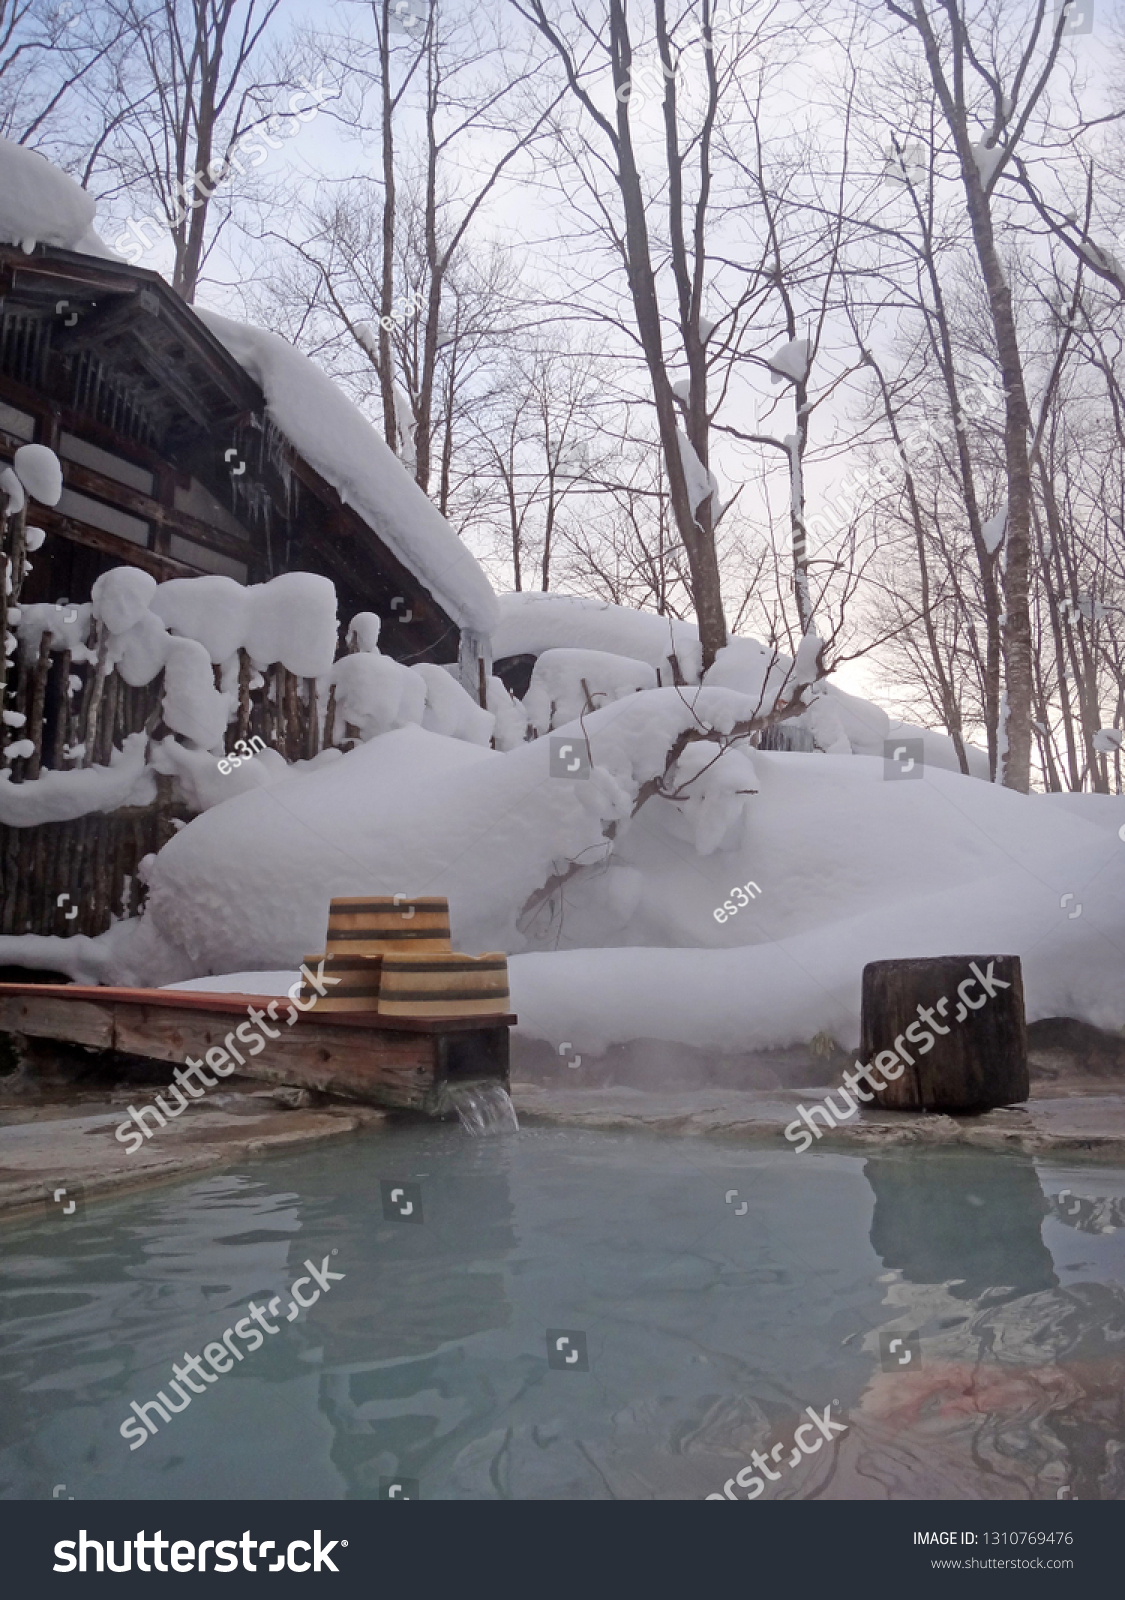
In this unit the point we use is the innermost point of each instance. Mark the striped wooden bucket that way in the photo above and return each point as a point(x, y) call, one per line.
point(357, 988)
point(444, 985)
point(373, 925)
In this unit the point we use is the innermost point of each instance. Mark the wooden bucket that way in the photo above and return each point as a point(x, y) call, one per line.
point(357, 988)
point(373, 925)
point(444, 985)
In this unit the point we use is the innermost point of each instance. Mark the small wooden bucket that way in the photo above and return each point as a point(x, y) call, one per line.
point(357, 988)
point(374, 925)
point(444, 985)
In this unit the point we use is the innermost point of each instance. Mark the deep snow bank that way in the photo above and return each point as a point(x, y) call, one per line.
point(845, 868)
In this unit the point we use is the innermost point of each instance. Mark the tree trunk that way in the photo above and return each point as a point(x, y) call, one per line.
point(976, 1056)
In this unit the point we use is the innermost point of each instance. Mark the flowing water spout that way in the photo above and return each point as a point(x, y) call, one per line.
point(483, 1108)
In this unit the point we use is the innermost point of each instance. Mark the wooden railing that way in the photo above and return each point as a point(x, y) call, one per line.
point(75, 876)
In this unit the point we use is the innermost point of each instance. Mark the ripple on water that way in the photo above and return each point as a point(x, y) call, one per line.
point(706, 1328)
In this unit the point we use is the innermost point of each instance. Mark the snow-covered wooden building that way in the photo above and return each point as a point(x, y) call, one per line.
point(191, 447)
point(192, 444)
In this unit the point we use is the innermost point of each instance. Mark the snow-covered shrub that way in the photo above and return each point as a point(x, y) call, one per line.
point(566, 683)
point(375, 694)
point(450, 710)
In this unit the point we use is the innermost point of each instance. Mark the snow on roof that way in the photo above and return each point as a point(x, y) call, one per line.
point(336, 438)
point(39, 204)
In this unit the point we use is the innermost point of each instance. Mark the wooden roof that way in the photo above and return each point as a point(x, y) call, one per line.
point(109, 352)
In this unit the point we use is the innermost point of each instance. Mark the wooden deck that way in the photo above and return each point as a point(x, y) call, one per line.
point(396, 1062)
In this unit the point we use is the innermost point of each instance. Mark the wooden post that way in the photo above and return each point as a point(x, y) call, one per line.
point(93, 710)
point(243, 694)
point(62, 714)
point(483, 683)
point(312, 730)
point(952, 1026)
point(5, 559)
point(330, 718)
point(291, 749)
point(22, 675)
point(109, 717)
point(38, 697)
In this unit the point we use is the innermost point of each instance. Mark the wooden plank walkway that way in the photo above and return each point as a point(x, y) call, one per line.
point(397, 1062)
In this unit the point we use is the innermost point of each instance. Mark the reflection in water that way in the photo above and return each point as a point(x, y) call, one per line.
point(1088, 1213)
point(709, 1328)
point(1019, 1393)
point(974, 1225)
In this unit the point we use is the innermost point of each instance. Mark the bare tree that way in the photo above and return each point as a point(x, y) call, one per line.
point(681, 189)
point(989, 81)
point(438, 97)
point(193, 84)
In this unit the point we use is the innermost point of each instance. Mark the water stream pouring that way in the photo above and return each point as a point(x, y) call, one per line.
point(483, 1108)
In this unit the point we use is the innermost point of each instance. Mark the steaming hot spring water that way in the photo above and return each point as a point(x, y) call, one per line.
point(554, 1314)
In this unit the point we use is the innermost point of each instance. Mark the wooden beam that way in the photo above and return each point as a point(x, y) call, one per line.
point(50, 1017)
point(387, 1061)
point(135, 501)
point(111, 544)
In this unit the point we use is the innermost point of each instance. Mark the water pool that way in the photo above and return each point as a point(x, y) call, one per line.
point(707, 1296)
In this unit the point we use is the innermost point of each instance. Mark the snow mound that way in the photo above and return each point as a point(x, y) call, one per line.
point(700, 482)
point(40, 472)
point(565, 683)
point(192, 705)
point(751, 669)
point(141, 651)
point(121, 597)
point(511, 725)
point(41, 205)
point(987, 159)
point(846, 869)
point(412, 812)
point(790, 360)
point(68, 625)
point(531, 623)
point(336, 438)
point(449, 710)
point(290, 619)
point(273, 983)
point(605, 887)
point(364, 630)
point(375, 694)
point(61, 796)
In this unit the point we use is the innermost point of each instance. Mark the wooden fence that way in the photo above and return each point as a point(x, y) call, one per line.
point(74, 714)
point(93, 859)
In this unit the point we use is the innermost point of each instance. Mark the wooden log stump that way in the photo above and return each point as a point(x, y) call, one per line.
point(945, 1033)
